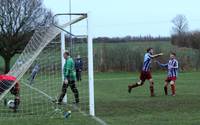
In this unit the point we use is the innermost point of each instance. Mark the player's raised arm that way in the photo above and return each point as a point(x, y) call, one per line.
point(161, 64)
point(156, 55)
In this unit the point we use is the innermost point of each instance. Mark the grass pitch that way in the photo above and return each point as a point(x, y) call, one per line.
point(120, 108)
point(117, 107)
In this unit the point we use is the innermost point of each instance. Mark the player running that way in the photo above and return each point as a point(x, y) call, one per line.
point(172, 67)
point(6, 81)
point(146, 73)
point(69, 78)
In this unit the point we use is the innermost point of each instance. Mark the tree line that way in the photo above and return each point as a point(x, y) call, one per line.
point(18, 21)
point(182, 36)
point(148, 38)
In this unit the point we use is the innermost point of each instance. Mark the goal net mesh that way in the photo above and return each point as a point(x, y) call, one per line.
point(39, 72)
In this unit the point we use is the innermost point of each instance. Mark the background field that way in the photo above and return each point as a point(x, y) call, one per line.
point(116, 66)
point(128, 56)
point(115, 106)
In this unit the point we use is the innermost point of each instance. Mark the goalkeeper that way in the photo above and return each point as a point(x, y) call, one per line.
point(6, 81)
point(69, 78)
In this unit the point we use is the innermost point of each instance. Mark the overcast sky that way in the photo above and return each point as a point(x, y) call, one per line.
point(115, 18)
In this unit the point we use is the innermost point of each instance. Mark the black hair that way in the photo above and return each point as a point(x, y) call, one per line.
point(173, 53)
point(66, 52)
point(149, 49)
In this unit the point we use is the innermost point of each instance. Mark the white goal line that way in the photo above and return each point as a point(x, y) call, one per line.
point(100, 121)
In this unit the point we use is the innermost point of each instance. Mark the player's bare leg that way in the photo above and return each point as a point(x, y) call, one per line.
point(130, 87)
point(151, 87)
point(165, 88)
point(173, 88)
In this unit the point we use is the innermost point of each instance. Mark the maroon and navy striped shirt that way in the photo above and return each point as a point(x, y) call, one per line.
point(172, 66)
point(147, 62)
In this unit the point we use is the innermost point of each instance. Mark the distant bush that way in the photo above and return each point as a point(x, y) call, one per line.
point(129, 56)
point(189, 40)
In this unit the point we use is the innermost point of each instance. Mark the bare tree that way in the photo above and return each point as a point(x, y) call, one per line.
point(18, 21)
point(180, 24)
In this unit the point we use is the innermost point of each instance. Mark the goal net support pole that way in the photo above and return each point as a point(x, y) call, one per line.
point(90, 66)
point(63, 60)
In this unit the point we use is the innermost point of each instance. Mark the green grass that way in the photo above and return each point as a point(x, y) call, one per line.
point(139, 109)
point(115, 106)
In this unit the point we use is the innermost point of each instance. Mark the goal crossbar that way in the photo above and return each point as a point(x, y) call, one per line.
point(62, 27)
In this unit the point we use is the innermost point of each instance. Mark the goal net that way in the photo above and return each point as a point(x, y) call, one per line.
point(39, 70)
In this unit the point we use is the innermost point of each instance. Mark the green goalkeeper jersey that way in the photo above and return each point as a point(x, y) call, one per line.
point(69, 70)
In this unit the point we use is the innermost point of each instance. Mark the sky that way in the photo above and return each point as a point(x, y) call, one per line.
point(119, 18)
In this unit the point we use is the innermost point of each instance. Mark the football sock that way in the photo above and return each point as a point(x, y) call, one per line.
point(165, 89)
point(134, 85)
point(173, 88)
point(152, 90)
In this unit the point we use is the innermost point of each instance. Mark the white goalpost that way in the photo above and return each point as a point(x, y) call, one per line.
point(62, 35)
point(39, 92)
point(90, 61)
point(90, 67)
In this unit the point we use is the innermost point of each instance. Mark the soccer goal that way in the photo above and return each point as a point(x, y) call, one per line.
point(39, 70)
